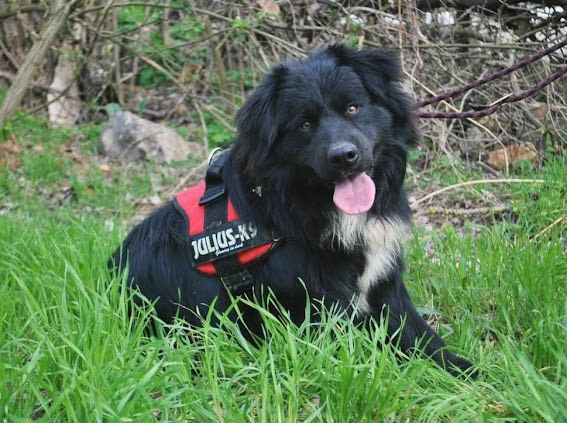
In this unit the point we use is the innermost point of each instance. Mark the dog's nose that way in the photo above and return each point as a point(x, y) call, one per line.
point(344, 155)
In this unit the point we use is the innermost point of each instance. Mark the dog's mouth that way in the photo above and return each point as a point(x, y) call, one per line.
point(355, 194)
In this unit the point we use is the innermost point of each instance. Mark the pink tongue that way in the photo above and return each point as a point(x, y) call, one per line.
point(355, 195)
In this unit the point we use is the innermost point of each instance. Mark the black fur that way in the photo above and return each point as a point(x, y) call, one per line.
point(293, 163)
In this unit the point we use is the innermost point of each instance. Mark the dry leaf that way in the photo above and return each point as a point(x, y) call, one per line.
point(104, 168)
point(10, 147)
point(9, 154)
point(71, 150)
point(38, 148)
point(187, 73)
point(514, 153)
point(315, 401)
point(540, 111)
point(269, 6)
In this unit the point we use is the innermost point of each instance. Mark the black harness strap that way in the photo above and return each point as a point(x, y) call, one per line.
point(214, 182)
point(233, 274)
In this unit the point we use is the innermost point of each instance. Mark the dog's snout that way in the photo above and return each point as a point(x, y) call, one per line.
point(344, 155)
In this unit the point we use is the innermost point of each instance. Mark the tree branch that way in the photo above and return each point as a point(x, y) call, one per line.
point(13, 10)
point(60, 10)
point(491, 5)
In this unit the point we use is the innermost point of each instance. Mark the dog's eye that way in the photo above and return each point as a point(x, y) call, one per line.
point(352, 109)
point(306, 126)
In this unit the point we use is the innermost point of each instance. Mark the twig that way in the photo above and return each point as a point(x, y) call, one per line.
point(123, 34)
point(475, 182)
point(495, 46)
point(11, 77)
point(490, 109)
point(490, 169)
point(292, 48)
point(197, 169)
point(155, 5)
point(216, 113)
point(549, 227)
point(217, 56)
point(525, 46)
point(60, 10)
point(117, 71)
point(502, 72)
point(166, 37)
point(9, 55)
point(152, 63)
point(474, 122)
point(552, 20)
point(15, 10)
point(137, 58)
point(84, 62)
point(203, 125)
point(465, 212)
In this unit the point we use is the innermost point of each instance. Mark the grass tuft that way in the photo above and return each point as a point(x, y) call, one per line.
point(70, 351)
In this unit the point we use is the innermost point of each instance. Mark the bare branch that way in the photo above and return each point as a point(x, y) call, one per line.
point(60, 10)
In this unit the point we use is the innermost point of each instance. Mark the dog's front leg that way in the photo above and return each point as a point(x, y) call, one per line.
point(389, 299)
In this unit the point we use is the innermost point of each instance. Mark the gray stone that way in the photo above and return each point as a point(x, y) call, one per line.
point(130, 138)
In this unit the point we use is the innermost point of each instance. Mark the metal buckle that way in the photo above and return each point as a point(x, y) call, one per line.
point(238, 280)
point(212, 155)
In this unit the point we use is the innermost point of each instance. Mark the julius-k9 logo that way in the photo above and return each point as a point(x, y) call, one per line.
point(224, 240)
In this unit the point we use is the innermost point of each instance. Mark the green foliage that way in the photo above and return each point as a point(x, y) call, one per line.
point(131, 17)
point(351, 41)
point(182, 131)
point(97, 189)
point(44, 169)
point(3, 90)
point(240, 29)
point(187, 29)
point(150, 77)
point(29, 130)
point(219, 135)
point(354, 27)
point(5, 182)
point(244, 77)
point(170, 57)
point(333, 14)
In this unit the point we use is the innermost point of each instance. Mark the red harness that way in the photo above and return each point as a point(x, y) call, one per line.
point(223, 240)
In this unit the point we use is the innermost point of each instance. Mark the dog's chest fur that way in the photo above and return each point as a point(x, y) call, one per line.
point(380, 239)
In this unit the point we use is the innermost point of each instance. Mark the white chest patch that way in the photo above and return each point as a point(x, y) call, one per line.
point(382, 240)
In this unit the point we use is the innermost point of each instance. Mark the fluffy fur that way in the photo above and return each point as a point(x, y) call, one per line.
point(349, 98)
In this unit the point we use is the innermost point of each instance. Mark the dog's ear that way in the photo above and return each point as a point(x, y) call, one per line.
point(378, 69)
point(381, 73)
point(257, 119)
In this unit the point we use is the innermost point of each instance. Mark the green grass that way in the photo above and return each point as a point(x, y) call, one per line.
point(70, 352)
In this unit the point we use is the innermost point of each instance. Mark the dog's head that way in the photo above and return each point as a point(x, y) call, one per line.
point(337, 119)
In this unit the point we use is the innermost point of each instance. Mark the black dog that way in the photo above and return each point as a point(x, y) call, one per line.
point(319, 160)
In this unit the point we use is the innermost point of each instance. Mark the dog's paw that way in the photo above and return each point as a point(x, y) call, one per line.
point(459, 366)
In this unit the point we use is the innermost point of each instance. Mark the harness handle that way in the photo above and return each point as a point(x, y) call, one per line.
point(213, 178)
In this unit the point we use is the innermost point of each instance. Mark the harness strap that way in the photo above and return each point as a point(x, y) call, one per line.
point(218, 210)
point(213, 180)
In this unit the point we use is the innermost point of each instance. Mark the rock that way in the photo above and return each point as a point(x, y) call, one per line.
point(131, 138)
